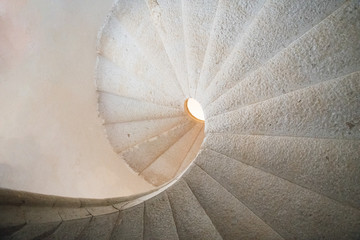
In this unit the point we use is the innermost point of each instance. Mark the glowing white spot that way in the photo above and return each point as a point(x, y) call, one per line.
point(195, 109)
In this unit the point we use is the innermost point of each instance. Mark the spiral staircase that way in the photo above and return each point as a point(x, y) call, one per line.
point(278, 156)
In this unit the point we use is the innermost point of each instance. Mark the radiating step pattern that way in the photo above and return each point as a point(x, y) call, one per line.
point(191, 220)
point(231, 218)
point(144, 154)
point(278, 154)
point(158, 219)
point(325, 110)
point(327, 166)
point(165, 167)
point(231, 21)
point(135, 18)
point(168, 20)
point(329, 50)
point(198, 17)
point(279, 83)
point(110, 78)
point(277, 25)
point(291, 210)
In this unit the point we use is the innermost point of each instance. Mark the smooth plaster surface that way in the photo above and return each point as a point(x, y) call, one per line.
point(51, 138)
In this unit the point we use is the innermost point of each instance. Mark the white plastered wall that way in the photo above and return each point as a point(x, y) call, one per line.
point(51, 138)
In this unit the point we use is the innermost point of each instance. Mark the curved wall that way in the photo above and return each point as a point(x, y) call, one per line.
point(51, 138)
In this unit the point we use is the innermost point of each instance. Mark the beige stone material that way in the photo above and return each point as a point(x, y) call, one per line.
point(230, 217)
point(128, 134)
point(12, 218)
point(75, 227)
point(111, 78)
point(276, 26)
point(192, 152)
point(112, 109)
point(158, 219)
point(100, 227)
point(324, 110)
point(40, 222)
point(311, 59)
point(190, 218)
point(142, 155)
point(198, 18)
point(326, 166)
point(165, 167)
point(291, 210)
point(231, 21)
point(168, 20)
point(130, 225)
point(277, 156)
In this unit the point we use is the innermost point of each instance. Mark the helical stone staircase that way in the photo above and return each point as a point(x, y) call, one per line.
point(278, 156)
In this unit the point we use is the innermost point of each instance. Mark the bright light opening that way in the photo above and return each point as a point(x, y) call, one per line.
point(194, 109)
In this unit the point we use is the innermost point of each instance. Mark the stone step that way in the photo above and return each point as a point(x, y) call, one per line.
point(328, 51)
point(111, 78)
point(198, 17)
point(190, 218)
point(191, 155)
point(231, 20)
point(291, 210)
point(158, 219)
point(112, 109)
point(40, 223)
point(130, 224)
point(326, 110)
point(165, 167)
point(135, 17)
point(277, 25)
point(101, 224)
point(121, 48)
point(74, 222)
point(231, 218)
point(128, 134)
point(326, 166)
point(142, 155)
point(168, 20)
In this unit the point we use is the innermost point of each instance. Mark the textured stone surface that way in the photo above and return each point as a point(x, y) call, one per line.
point(158, 219)
point(130, 224)
point(231, 21)
point(68, 214)
point(191, 155)
point(326, 166)
point(325, 52)
point(275, 27)
point(198, 18)
point(190, 218)
point(117, 39)
point(12, 218)
point(323, 110)
point(231, 218)
point(168, 20)
point(113, 79)
point(135, 17)
point(142, 155)
point(165, 167)
point(99, 227)
point(125, 135)
point(40, 222)
point(294, 212)
point(112, 109)
point(280, 82)
point(69, 230)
